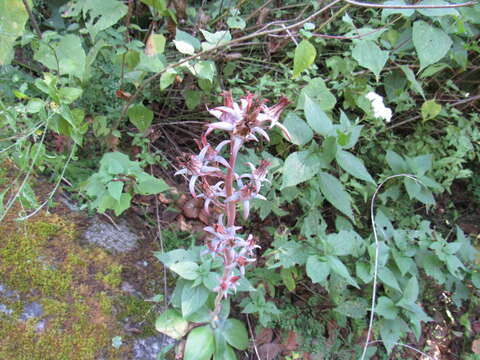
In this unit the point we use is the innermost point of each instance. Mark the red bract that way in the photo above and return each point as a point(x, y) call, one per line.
point(242, 121)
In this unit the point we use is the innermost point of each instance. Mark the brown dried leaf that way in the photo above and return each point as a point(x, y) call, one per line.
point(290, 343)
point(264, 336)
point(269, 351)
point(191, 209)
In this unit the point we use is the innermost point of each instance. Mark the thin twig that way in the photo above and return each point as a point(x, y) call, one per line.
point(382, 6)
point(205, 52)
point(32, 18)
point(253, 338)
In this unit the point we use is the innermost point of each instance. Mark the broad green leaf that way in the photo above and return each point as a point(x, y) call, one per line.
point(403, 12)
point(438, 11)
point(204, 70)
point(370, 56)
point(316, 117)
point(410, 293)
point(335, 193)
point(318, 91)
point(363, 271)
point(69, 52)
point(140, 116)
point(386, 308)
point(391, 331)
point(417, 191)
point(236, 22)
point(430, 109)
point(200, 344)
point(167, 78)
point(236, 334)
point(476, 279)
point(186, 269)
point(396, 162)
point(193, 98)
point(353, 165)
point(305, 54)
point(431, 43)
point(155, 44)
point(339, 268)
point(217, 38)
point(186, 43)
point(13, 17)
point(123, 204)
point(69, 94)
point(317, 269)
point(193, 298)
point(299, 131)
point(115, 189)
point(102, 15)
point(346, 242)
point(356, 309)
point(388, 278)
point(149, 185)
point(415, 85)
point(287, 278)
point(299, 166)
point(172, 324)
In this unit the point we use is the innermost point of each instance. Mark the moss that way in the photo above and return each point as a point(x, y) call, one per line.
point(113, 277)
point(137, 310)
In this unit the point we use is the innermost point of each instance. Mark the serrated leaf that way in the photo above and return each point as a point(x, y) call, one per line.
point(339, 268)
point(305, 54)
point(316, 117)
point(370, 56)
point(431, 43)
point(353, 165)
point(172, 324)
point(140, 116)
point(299, 166)
point(200, 344)
point(317, 269)
point(335, 193)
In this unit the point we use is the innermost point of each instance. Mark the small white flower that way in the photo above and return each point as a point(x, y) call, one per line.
point(380, 111)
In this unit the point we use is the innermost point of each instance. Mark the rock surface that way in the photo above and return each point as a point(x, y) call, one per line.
point(118, 239)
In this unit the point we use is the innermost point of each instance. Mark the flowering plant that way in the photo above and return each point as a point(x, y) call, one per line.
point(223, 188)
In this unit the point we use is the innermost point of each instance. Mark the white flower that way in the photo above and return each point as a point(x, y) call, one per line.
point(380, 111)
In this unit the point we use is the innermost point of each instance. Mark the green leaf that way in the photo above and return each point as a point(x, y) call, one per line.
point(318, 92)
point(172, 324)
point(410, 293)
point(287, 278)
point(140, 116)
point(204, 70)
point(370, 56)
point(386, 308)
point(335, 193)
point(403, 12)
point(236, 22)
point(150, 185)
point(102, 15)
point(236, 334)
point(415, 85)
point(388, 278)
point(217, 38)
point(299, 131)
point(193, 298)
point(476, 279)
point(123, 204)
point(430, 109)
point(186, 269)
point(391, 331)
point(200, 344)
point(317, 269)
point(115, 189)
point(396, 162)
point(356, 309)
point(299, 166)
point(156, 44)
point(167, 78)
point(69, 94)
point(316, 117)
point(431, 44)
point(186, 43)
point(193, 98)
point(69, 52)
point(417, 191)
point(338, 267)
point(13, 17)
point(305, 54)
point(353, 165)
point(436, 12)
